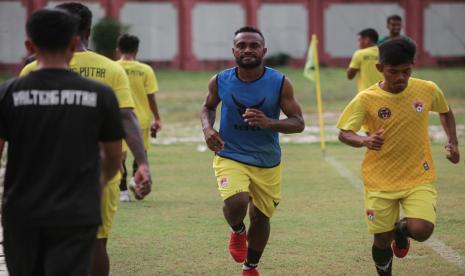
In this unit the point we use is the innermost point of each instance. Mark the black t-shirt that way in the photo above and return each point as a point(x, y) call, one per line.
point(53, 120)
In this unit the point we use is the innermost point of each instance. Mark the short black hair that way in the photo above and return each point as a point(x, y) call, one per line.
point(249, 29)
point(397, 51)
point(372, 34)
point(128, 44)
point(82, 12)
point(51, 30)
point(394, 17)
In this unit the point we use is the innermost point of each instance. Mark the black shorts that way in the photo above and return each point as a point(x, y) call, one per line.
point(48, 250)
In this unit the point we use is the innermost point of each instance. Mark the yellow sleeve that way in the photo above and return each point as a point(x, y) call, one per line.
point(439, 103)
point(28, 69)
point(151, 84)
point(356, 60)
point(122, 89)
point(352, 117)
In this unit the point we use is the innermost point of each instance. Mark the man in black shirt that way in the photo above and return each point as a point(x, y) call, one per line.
point(64, 134)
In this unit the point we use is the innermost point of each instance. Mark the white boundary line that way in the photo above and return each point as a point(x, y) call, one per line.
point(445, 251)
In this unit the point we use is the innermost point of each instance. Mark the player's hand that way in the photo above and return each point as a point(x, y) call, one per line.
point(213, 139)
point(374, 141)
point(452, 153)
point(155, 128)
point(143, 181)
point(255, 117)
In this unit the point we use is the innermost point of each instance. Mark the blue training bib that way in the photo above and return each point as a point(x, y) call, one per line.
point(251, 145)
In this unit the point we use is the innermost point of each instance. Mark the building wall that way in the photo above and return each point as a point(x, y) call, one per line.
point(283, 26)
point(156, 25)
point(343, 21)
point(12, 31)
point(212, 26)
point(196, 34)
point(445, 29)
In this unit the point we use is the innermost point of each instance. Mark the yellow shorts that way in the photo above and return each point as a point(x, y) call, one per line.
point(110, 200)
point(262, 184)
point(382, 209)
point(145, 139)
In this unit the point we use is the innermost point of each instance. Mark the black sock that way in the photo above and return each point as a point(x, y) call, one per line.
point(123, 185)
point(238, 228)
point(253, 257)
point(383, 260)
point(401, 233)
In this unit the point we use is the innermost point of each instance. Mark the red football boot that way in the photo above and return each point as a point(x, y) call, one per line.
point(400, 252)
point(238, 246)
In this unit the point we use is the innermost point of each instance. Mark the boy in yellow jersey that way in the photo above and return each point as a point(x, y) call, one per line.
point(102, 69)
point(398, 169)
point(143, 83)
point(363, 63)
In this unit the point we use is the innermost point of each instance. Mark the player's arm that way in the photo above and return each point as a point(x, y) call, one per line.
point(448, 124)
point(135, 143)
point(208, 116)
point(351, 72)
point(294, 122)
point(156, 126)
point(354, 66)
point(373, 141)
point(110, 153)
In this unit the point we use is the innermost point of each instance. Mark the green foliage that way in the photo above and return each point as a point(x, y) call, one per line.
point(280, 59)
point(105, 35)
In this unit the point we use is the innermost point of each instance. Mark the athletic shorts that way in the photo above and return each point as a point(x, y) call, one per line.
point(145, 139)
point(262, 184)
point(54, 251)
point(110, 200)
point(382, 209)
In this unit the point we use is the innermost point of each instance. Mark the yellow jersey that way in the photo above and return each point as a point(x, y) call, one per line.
point(365, 60)
point(99, 68)
point(404, 160)
point(143, 82)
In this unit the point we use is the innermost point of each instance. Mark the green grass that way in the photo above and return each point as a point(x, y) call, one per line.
point(318, 228)
point(182, 93)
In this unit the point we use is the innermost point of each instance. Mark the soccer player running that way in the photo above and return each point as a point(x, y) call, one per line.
point(64, 134)
point(398, 169)
point(394, 26)
point(363, 63)
point(143, 83)
point(97, 67)
point(247, 152)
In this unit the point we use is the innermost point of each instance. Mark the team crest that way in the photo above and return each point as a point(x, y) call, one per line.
point(418, 105)
point(370, 214)
point(223, 182)
point(384, 113)
point(425, 166)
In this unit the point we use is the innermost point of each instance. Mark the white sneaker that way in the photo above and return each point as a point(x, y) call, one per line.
point(124, 196)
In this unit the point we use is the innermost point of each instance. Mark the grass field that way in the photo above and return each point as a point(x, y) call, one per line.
point(319, 227)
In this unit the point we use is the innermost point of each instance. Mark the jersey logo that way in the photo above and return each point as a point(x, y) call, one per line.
point(425, 166)
point(223, 182)
point(242, 107)
point(418, 105)
point(384, 113)
point(370, 215)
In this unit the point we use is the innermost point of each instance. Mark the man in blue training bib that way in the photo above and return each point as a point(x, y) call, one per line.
point(247, 152)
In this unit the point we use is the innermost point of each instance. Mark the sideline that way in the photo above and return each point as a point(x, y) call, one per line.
point(445, 251)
